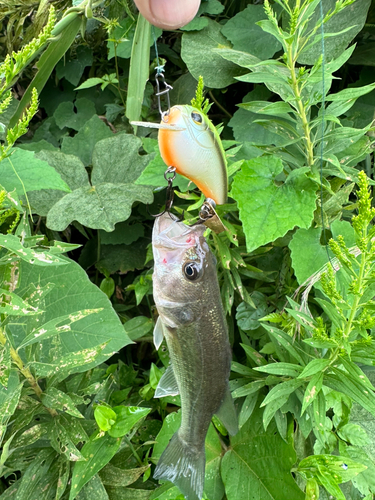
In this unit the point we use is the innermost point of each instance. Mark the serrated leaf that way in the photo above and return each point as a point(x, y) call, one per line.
point(268, 211)
point(216, 72)
point(98, 207)
point(98, 451)
point(23, 171)
point(354, 434)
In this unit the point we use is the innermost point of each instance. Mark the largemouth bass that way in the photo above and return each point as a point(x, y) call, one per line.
point(192, 145)
point(191, 318)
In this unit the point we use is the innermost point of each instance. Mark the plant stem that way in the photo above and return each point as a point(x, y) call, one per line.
point(137, 457)
point(118, 76)
point(26, 372)
point(219, 105)
point(301, 109)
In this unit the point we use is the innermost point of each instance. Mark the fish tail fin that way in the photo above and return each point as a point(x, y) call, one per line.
point(183, 466)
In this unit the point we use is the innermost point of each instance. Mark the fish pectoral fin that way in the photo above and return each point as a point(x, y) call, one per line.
point(167, 385)
point(158, 333)
point(227, 414)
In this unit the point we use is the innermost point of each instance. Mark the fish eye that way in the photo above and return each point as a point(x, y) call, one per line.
point(196, 117)
point(191, 271)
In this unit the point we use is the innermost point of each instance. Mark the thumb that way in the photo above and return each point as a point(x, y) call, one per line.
point(168, 14)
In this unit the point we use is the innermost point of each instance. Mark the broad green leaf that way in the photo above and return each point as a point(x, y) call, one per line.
point(98, 207)
point(30, 435)
point(196, 52)
point(353, 16)
point(315, 366)
point(53, 398)
point(268, 210)
point(54, 327)
point(122, 257)
point(83, 143)
point(72, 171)
point(127, 417)
point(66, 116)
point(246, 35)
point(116, 477)
point(32, 483)
point(267, 108)
point(90, 82)
point(72, 291)
point(124, 233)
point(354, 434)
point(341, 469)
point(258, 464)
point(9, 398)
point(13, 305)
point(105, 417)
point(35, 257)
point(213, 485)
point(24, 172)
point(93, 490)
point(139, 69)
point(71, 68)
point(308, 255)
point(98, 451)
point(63, 440)
point(344, 383)
point(283, 369)
point(116, 160)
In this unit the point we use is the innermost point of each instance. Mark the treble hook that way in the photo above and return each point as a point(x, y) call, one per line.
point(170, 193)
point(167, 88)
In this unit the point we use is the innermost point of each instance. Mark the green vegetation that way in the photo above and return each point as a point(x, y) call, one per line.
point(78, 369)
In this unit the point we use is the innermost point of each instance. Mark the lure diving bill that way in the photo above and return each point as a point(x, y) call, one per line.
point(191, 318)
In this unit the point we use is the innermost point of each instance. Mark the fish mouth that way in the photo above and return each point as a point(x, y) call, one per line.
point(169, 232)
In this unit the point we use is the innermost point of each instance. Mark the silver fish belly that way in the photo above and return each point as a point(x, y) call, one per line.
point(191, 318)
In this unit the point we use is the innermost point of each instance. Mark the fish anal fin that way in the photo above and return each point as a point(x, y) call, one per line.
point(158, 333)
point(183, 466)
point(167, 385)
point(227, 414)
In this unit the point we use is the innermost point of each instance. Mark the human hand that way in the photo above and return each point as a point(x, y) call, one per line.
point(168, 14)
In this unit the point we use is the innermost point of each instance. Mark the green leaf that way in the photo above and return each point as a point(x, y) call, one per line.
point(282, 390)
point(116, 477)
point(139, 69)
point(72, 68)
point(124, 233)
point(35, 257)
point(283, 369)
point(344, 383)
point(268, 210)
point(71, 170)
point(98, 451)
point(24, 172)
point(98, 207)
point(315, 366)
point(353, 16)
point(122, 257)
point(53, 398)
point(5, 364)
point(247, 409)
point(54, 327)
point(196, 52)
point(354, 434)
point(258, 463)
point(83, 143)
point(72, 291)
point(127, 417)
point(116, 160)
point(66, 116)
point(105, 417)
point(32, 479)
point(308, 255)
point(285, 341)
point(341, 469)
point(247, 389)
point(246, 35)
point(63, 439)
point(93, 490)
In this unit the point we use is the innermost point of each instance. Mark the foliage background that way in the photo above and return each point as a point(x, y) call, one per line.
point(68, 369)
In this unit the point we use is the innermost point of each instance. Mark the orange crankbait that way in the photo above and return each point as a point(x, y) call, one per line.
point(189, 142)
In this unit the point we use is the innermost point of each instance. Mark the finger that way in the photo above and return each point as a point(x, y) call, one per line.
point(168, 14)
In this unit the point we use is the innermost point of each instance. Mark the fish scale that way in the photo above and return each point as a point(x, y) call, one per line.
point(192, 320)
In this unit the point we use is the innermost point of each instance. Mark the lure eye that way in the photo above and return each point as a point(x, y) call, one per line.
point(191, 271)
point(196, 117)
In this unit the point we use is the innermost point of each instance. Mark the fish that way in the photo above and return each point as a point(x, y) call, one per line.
point(189, 142)
point(191, 319)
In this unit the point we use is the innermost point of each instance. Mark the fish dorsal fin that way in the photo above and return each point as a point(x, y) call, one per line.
point(227, 414)
point(167, 385)
point(158, 333)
